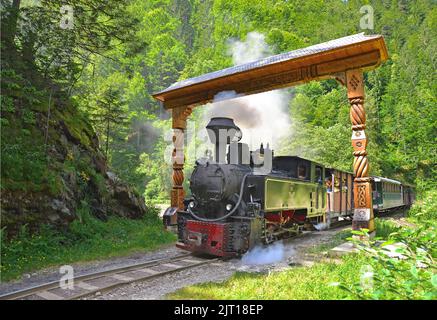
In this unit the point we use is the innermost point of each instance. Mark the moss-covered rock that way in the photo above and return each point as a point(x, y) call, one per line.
point(51, 161)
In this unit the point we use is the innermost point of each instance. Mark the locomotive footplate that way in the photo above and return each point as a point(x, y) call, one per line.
point(215, 238)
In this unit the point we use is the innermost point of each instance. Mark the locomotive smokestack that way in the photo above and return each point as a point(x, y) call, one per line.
point(222, 131)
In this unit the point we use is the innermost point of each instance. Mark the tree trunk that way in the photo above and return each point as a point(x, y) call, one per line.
point(107, 138)
point(29, 49)
point(9, 25)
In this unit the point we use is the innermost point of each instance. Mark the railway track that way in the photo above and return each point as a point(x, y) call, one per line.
point(92, 283)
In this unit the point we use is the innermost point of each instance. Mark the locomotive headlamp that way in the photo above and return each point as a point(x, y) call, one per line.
point(229, 207)
point(192, 204)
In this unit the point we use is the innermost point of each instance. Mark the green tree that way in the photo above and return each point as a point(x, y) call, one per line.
point(108, 114)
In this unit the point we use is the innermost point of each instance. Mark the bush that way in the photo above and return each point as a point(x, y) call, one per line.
point(401, 268)
point(426, 208)
point(23, 162)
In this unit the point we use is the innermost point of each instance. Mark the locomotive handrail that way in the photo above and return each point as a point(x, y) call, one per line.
point(240, 197)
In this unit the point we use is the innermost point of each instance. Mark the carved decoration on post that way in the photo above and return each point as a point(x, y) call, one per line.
point(363, 212)
point(179, 118)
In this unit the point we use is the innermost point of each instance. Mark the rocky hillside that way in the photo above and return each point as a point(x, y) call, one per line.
point(51, 166)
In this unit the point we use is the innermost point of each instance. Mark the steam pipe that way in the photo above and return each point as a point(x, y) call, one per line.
point(217, 152)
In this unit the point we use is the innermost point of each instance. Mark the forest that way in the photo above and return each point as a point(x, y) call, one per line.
point(83, 140)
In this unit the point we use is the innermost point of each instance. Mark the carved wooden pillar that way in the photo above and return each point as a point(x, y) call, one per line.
point(179, 124)
point(363, 212)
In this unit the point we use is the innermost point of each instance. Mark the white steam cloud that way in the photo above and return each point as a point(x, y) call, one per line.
point(262, 117)
point(264, 255)
point(321, 226)
point(254, 48)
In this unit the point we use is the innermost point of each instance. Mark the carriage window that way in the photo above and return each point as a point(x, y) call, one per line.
point(285, 164)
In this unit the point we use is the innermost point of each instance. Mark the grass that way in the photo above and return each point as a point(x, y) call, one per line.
point(385, 227)
point(303, 283)
point(85, 240)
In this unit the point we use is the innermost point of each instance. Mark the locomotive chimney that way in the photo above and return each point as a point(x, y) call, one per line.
point(222, 131)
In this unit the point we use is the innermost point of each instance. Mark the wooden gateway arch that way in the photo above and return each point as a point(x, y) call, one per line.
point(344, 59)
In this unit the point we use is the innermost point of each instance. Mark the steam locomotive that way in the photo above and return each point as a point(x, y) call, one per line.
point(245, 198)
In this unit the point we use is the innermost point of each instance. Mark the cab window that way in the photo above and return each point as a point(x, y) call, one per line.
point(301, 171)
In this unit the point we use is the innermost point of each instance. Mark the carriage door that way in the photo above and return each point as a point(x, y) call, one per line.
point(377, 193)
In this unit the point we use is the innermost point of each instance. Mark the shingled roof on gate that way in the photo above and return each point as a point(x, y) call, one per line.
point(310, 59)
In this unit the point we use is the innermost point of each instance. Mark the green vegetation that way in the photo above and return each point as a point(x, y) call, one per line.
point(425, 209)
point(403, 267)
point(85, 239)
point(23, 158)
point(383, 228)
